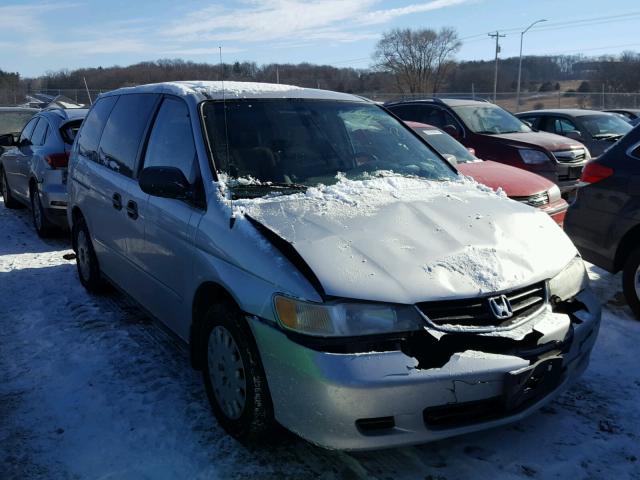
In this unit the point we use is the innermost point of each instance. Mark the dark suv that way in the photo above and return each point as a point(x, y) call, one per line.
point(604, 221)
point(497, 135)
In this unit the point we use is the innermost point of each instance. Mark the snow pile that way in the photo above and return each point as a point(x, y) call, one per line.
point(350, 198)
point(231, 89)
point(482, 267)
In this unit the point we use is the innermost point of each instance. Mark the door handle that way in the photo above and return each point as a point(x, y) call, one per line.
point(117, 201)
point(132, 209)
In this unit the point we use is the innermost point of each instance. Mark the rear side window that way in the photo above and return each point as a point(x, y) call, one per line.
point(407, 112)
point(40, 132)
point(171, 141)
point(123, 132)
point(89, 135)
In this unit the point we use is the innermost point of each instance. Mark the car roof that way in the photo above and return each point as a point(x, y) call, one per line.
point(420, 125)
point(66, 113)
point(631, 110)
point(217, 90)
point(572, 112)
point(19, 109)
point(451, 102)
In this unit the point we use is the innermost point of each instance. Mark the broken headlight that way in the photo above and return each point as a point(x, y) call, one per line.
point(345, 319)
point(570, 281)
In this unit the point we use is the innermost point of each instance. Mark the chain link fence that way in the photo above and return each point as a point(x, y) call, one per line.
point(507, 100)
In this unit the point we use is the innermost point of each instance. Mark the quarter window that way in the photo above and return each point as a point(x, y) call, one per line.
point(563, 126)
point(171, 141)
point(89, 134)
point(122, 133)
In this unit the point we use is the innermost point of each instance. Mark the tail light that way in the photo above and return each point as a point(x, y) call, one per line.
point(594, 172)
point(58, 160)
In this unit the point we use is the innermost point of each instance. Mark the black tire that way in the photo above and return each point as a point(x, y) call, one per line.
point(9, 201)
point(630, 280)
point(255, 419)
point(89, 272)
point(44, 228)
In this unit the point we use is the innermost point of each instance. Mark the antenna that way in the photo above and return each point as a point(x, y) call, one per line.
point(88, 93)
point(232, 220)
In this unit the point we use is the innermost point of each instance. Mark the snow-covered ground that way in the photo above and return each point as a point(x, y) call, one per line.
point(91, 388)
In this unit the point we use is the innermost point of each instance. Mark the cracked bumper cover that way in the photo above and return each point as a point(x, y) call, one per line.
point(320, 396)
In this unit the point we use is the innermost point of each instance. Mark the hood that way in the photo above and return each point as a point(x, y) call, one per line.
point(548, 141)
point(515, 182)
point(405, 240)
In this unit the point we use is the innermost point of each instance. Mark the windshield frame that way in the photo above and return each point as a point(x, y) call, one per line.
point(210, 145)
point(456, 110)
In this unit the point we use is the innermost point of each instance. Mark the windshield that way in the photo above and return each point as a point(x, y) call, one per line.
point(600, 126)
point(490, 119)
point(445, 144)
point(300, 143)
point(13, 122)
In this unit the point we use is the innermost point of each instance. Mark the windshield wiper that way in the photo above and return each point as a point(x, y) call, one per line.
point(608, 136)
point(254, 190)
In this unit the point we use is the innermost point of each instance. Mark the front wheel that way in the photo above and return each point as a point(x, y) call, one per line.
point(233, 375)
point(631, 281)
point(9, 201)
point(86, 260)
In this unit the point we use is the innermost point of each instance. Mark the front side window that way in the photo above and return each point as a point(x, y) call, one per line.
point(28, 130)
point(92, 127)
point(171, 142)
point(301, 143)
point(562, 126)
point(490, 119)
point(123, 132)
point(605, 126)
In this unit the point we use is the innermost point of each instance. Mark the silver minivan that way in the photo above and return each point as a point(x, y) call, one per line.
point(328, 270)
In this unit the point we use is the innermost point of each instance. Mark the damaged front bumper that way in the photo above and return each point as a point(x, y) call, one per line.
point(360, 401)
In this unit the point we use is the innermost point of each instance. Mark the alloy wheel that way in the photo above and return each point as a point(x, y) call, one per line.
point(82, 256)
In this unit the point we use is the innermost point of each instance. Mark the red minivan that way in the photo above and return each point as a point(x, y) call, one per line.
point(518, 184)
point(497, 135)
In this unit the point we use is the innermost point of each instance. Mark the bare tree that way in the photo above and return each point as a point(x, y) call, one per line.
point(419, 59)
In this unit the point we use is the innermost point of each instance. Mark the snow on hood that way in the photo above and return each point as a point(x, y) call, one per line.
point(405, 240)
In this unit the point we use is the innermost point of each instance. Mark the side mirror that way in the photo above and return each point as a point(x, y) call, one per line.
point(167, 182)
point(452, 130)
point(7, 140)
point(527, 123)
point(575, 135)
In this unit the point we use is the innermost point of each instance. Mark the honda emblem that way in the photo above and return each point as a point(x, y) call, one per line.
point(501, 307)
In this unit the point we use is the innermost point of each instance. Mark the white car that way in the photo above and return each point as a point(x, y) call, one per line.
point(328, 270)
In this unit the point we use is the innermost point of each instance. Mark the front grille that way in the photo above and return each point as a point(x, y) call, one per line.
point(537, 200)
point(476, 312)
point(571, 156)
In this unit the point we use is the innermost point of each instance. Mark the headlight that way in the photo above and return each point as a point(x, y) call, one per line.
point(570, 281)
point(554, 194)
point(345, 319)
point(533, 157)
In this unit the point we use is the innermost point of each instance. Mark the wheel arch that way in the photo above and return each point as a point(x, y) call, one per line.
point(628, 243)
point(207, 294)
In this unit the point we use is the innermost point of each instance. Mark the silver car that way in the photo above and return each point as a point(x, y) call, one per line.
point(34, 172)
point(328, 270)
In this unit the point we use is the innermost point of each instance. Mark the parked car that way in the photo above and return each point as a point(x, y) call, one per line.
point(34, 171)
point(497, 135)
point(518, 184)
point(629, 113)
point(597, 130)
point(604, 221)
point(328, 270)
point(12, 121)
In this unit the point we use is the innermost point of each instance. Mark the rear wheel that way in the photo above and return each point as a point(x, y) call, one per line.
point(86, 260)
point(41, 223)
point(9, 201)
point(233, 375)
point(631, 281)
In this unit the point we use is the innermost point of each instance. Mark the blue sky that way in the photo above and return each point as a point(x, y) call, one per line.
point(36, 37)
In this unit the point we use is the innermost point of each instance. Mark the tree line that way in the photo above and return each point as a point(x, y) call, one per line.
point(404, 62)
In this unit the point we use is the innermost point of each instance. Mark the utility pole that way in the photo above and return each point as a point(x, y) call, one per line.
point(520, 61)
point(497, 36)
point(277, 75)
